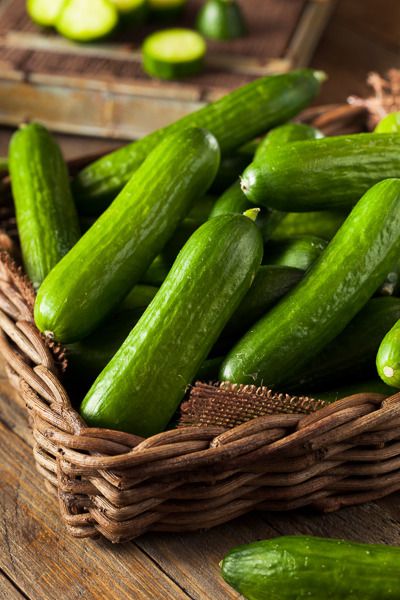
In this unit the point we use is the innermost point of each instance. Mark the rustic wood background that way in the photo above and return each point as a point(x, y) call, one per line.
point(39, 562)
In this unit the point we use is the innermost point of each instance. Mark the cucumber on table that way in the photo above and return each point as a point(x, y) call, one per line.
point(329, 173)
point(299, 252)
point(221, 20)
point(47, 221)
point(294, 567)
point(332, 292)
point(173, 53)
point(84, 21)
point(388, 357)
point(146, 380)
point(234, 120)
point(44, 12)
point(116, 251)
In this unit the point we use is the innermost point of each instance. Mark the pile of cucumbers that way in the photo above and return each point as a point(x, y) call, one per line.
point(278, 280)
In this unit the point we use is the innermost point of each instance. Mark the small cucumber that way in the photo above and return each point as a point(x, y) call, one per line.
point(166, 10)
point(146, 380)
point(116, 251)
point(44, 12)
point(389, 124)
point(351, 355)
point(235, 119)
point(47, 221)
point(329, 173)
point(332, 292)
point(284, 134)
point(375, 386)
point(173, 53)
point(294, 567)
point(221, 20)
point(84, 21)
point(388, 357)
point(298, 252)
point(323, 224)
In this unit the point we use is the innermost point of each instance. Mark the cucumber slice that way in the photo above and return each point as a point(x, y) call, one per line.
point(84, 21)
point(44, 12)
point(131, 11)
point(221, 20)
point(389, 124)
point(173, 53)
point(166, 10)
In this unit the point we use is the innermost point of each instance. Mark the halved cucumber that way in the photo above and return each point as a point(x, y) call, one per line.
point(389, 124)
point(84, 21)
point(173, 53)
point(44, 12)
point(221, 20)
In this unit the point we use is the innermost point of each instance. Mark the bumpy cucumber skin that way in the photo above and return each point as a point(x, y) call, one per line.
point(297, 252)
point(116, 251)
point(334, 289)
point(388, 357)
point(47, 221)
point(221, 20)
point(235, 119)
point(289, 132)
point(294, 567)
point(146, 380)
point(352, 354)
point(330, 173)
point(323, 224)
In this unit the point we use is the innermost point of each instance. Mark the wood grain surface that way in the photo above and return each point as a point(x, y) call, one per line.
point(38, 561)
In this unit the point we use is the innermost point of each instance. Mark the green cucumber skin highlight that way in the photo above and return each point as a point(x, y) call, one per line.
point(297, 567)
point(334, 289)
point(330, 173)
point(388, 357)
point(47, 220)
point(234, 120)
point(116, 251)
point(299, 252)
point(146, 380)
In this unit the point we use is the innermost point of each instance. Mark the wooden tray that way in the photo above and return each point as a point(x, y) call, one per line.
point(101, 89)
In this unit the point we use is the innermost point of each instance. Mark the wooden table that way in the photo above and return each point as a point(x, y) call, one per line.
point(38, 560)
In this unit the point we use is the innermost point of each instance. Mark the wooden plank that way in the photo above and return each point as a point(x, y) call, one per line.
point(7, 590)
point(36, 553)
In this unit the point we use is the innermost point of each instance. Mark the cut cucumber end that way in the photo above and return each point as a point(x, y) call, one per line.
point(86, 22)
point(44, 12)
point(173, 53)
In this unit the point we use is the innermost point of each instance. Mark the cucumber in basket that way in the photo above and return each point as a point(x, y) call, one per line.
point(299, 252)
point(44, 12)
point(173, 53)
point(115, 252)
point(84, 21)
point(334, 289)
point(235, 119)
point(329, 173)
point(388, 357)
point(294, 567)
point(46, 216)
point(146, 380)
point(221, 20)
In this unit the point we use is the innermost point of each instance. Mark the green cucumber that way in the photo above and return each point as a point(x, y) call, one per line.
point(173, 53)
point(157, 271)
point(146, 380)
point(298, 252)
point(351, 355)
point(116, 251)
point(332, 292)
point(139, 297)
point(294, 567)
point(84, 21)
point(389, 124)
point(47, 221)
point(166, 10)
point(235, 119)
point(221, 20)
point(284, 134)
point(323, 224)
point(131, 11)
point(388, 357)
point(329, 173)
point(375, 386)
point(44, 12)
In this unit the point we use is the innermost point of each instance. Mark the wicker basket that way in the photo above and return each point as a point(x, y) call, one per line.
point(118, 485)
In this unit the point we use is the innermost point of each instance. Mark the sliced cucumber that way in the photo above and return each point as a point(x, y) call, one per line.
point(221, 20)
point(166, 10)
point(389, 124)
point(173, 53)
point(84, 21)
point(44, 12)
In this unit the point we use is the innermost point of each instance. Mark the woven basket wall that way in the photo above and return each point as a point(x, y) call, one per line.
point(119, 485)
